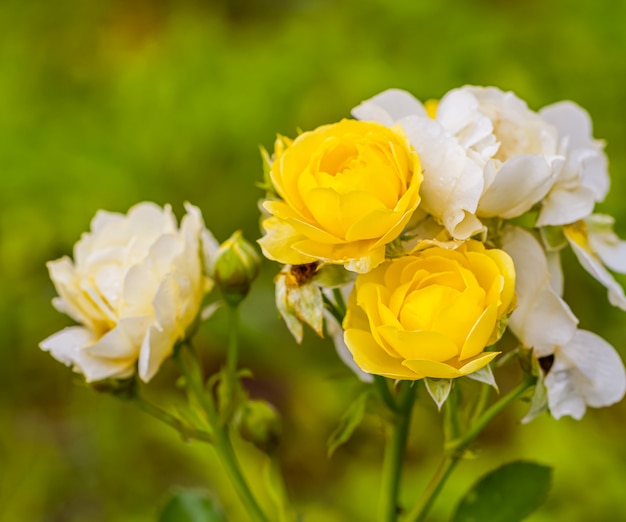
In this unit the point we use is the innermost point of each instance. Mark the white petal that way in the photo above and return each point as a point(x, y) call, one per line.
point(104, 218)
point(147, 218)
point(570, 120)
point(123, 341)
point(453, 183)
point(563, 396)
point(139, 287)
point(584, 177)
point(69, 347)
point(165, 250)
point(388, 107)
point(157, 346)
point(542, 320)
point(521, 182)
point(587, 370)
point(592, 264)
point(62, 274)
point(609, 247)
point(165, 303)
point(459, 113)
point(563, 205)
point(556, 272)
point(336, 332)
point(65, 345)
point(98, 368)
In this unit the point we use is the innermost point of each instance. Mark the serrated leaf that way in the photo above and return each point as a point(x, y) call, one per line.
point(485, 375)
point(348, 423)
point(508, 494)
point(188, 505)
point(438, 389)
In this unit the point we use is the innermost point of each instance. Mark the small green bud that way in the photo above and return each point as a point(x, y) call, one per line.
point(236, 265)
point(259, 423)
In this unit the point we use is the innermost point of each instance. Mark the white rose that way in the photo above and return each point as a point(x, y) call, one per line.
point(136, 284)
point(484, 153)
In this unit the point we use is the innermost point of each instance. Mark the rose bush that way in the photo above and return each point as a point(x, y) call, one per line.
point(136, 285)
point(431, 313)
point(346, 190)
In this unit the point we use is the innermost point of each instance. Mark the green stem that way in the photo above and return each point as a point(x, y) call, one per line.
point(451, 422)
point(444, 470)
point(332, 308)
point(394, 455)
point(223, 444)
point(276, 487)
point(456, 448)
point(186, 431)
point(339, 301)
point(481, 403)
point(233, 348)
point(385, 394)
point(489, 414)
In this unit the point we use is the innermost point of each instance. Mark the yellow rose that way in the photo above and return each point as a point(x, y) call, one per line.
point(431, 313)
point(347, 190)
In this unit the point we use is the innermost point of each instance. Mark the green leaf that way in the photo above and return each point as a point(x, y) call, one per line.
point(508, 494)
point(348, 423)
point(267, 185)
point(189, 505)
point(438, 389)
point(484, 375)
point(538, 402)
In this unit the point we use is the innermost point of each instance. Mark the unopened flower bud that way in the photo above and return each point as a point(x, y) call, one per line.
point(236, 266)
point(259, 423)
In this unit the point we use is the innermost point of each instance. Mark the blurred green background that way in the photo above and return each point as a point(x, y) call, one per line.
point(105, 104)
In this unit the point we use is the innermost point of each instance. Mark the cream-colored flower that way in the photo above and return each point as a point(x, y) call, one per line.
point(484, 154)
point(582, 179)
point(347, 190)
point(431, 313)
point(136, 285)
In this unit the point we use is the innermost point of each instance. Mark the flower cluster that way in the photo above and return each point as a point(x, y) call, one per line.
point(450, 215)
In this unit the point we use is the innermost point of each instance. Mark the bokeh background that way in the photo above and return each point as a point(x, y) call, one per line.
point(105, 104)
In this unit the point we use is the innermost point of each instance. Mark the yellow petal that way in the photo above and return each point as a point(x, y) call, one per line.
point(429, 345)
point(371, 358)
point(278, 242)
point(434, 369)
point(481, 332)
